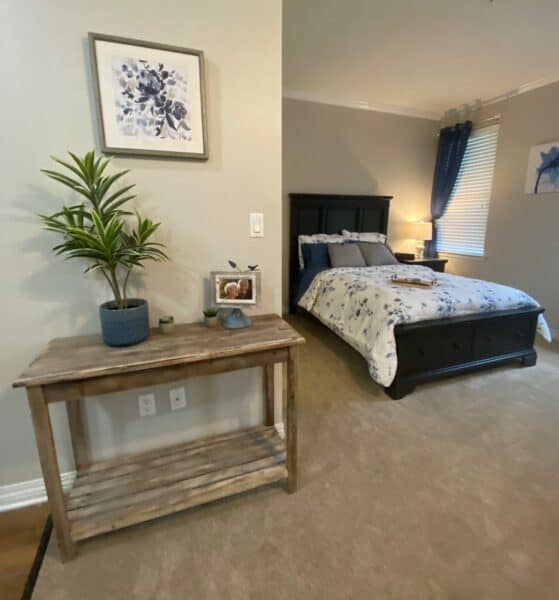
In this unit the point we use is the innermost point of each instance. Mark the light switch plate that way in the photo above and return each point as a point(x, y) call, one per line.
point(146, 403)
point(177, 398)
point(256, 223)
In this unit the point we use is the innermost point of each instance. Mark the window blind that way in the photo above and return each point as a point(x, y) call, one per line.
point(462, 228)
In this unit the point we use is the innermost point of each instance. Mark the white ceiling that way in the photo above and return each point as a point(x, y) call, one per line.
point(422, 56)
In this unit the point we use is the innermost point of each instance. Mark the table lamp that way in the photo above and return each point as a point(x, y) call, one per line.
point(421, 231)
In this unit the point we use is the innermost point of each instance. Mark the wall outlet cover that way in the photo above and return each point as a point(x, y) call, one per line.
point(177, 397)
point(146, 403)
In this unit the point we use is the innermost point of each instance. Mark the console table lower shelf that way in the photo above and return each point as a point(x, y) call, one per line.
point(122, 492)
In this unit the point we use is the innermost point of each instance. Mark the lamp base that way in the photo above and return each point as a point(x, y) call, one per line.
point(236, 319)
point(419, 251)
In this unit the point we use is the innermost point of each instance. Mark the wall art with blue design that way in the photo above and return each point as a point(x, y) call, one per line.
point(543, 169)
point(150, 98)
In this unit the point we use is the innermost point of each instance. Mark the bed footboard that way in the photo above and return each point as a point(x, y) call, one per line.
point(438, 348)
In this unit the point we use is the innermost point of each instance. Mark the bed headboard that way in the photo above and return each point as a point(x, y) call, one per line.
point(327, 213)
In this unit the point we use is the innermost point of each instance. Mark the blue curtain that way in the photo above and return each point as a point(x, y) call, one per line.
point(452, 145)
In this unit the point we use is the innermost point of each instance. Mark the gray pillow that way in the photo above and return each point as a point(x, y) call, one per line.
point(346, 255)
point(376, 254)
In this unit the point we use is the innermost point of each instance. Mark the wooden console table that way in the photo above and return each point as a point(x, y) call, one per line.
point(124, 491)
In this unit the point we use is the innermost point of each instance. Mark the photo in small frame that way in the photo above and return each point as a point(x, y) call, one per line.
point(150, 98)
point(235, 289)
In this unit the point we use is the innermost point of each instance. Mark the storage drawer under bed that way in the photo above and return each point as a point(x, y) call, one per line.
point(444, 343)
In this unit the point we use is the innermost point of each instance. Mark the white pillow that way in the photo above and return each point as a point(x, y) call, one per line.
point(357, 236)
point(318, 238)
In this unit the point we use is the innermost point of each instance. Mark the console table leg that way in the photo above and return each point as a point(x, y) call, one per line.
point(51, 474)
point(291, 420)
point(77, 433)
point(269, 394)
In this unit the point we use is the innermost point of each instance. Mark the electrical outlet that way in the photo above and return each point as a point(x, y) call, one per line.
point(146, 402)
point(177, 396)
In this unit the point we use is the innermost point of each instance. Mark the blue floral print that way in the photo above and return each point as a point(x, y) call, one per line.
point(151, 99)
point(362, 305)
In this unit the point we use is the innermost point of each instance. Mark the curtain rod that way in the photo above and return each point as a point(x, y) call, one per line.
point(496, 117)
point(493, 118)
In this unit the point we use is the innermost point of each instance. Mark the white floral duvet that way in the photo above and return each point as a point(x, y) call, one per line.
point(363, 305)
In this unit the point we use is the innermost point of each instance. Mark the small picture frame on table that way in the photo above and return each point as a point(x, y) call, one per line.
point(236, 290)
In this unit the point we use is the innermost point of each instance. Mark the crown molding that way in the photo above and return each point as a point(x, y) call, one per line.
point(419, 113)
point(362, 105)
point(534, 85)
point(521, 89)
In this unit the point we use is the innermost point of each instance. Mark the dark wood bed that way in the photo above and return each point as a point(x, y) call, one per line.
point(428, 349)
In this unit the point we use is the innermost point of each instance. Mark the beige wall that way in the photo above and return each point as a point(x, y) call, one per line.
point(337, 150)
point(522, 246)
point(47, 108)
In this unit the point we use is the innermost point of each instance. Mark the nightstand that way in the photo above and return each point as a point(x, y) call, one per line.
point(437, 264)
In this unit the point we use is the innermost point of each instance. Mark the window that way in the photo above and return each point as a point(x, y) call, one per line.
point(462, 228)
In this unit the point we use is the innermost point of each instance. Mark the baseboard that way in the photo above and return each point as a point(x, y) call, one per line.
point(280, 428)
point(26, 493)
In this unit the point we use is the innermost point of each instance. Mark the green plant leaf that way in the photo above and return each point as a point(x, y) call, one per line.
point(106, 182)
point(96, 230)
point(109, 202)
point(70, 167)
point(67, 181)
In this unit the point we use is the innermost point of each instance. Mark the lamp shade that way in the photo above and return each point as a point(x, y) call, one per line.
point(421, 230)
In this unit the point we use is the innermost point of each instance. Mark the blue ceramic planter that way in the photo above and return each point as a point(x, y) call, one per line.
point(124, 326)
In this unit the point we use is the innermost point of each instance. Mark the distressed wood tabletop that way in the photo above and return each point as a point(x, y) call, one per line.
point(81, 357)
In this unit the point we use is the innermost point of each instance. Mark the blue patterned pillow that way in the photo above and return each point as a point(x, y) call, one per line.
point(315, 256)
point(317, 238)
point(304, 279)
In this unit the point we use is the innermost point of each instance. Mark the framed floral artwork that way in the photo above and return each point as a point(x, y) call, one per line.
point(543, 169)
point(150, 98)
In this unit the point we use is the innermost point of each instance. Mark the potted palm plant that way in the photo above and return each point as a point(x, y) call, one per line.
point(102, 232)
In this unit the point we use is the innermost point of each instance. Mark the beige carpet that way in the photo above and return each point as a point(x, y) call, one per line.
point(452, 492)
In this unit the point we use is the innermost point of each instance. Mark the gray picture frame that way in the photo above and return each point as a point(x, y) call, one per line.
point(105, 148)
